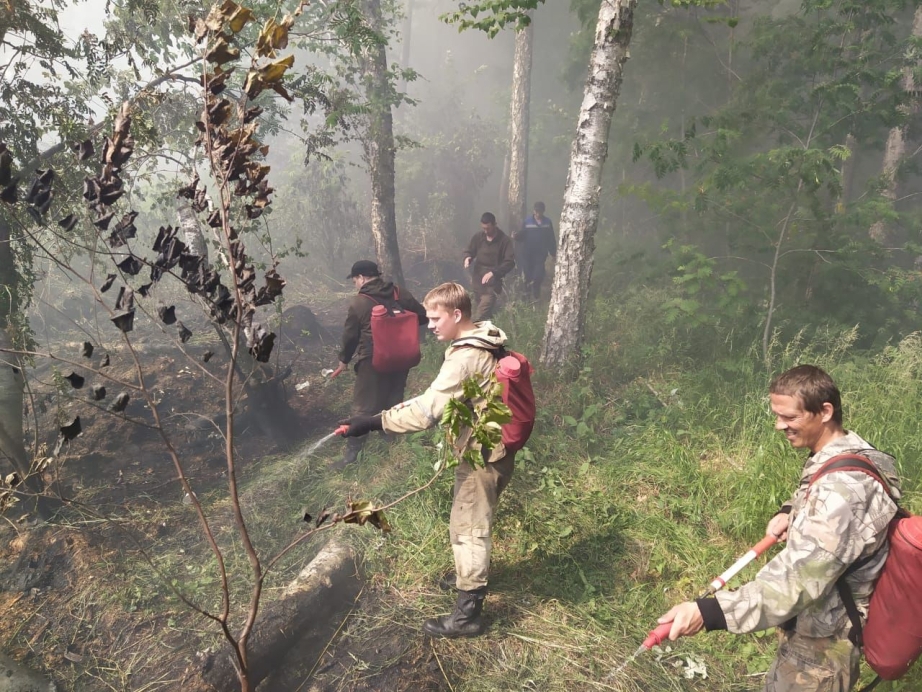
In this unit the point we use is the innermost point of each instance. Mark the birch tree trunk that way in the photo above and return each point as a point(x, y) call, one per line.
point(895, 149)
point(380, 150)
point(579, 218)
point(518, 129)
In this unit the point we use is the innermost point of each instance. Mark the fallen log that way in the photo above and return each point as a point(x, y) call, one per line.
point(329, 584)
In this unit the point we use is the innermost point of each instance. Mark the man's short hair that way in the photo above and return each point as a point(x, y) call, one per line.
point(813, 386)
point(487, 218)
point(539, 207)
point(450, 296)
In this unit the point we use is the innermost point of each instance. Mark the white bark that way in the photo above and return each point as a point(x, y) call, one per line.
point(580, 214)
point(518, 129)
point(192, 231)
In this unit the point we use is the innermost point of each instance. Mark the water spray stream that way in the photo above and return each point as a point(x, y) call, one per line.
point(326, 438)
point(657, 636)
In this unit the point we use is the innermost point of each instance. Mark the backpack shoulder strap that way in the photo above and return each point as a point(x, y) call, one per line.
point(852, 462)
point(484, 345)
point(861, 463)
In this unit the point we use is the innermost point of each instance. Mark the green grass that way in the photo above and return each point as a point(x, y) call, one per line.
point(651, 469)
point(638, 486)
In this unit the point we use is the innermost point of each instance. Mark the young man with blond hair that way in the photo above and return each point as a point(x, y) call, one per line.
point(836, 543)
point(477, 490)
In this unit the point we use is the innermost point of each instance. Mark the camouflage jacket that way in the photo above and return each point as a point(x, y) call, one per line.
point(839, 520)
point(461, 362)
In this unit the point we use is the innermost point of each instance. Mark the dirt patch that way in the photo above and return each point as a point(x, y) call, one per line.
point(81, 597)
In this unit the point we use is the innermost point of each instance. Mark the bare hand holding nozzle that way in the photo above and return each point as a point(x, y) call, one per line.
point(778, 527)
point(339, 370)
point(685, 619)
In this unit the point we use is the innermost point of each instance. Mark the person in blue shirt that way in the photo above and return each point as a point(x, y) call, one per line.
point(534, 242)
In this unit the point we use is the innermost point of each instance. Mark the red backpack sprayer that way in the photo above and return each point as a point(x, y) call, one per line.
point(660, 634)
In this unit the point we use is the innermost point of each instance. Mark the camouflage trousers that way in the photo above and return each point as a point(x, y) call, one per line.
point(813, 664)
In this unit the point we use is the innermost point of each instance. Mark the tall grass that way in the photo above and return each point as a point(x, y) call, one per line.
point(649, 472)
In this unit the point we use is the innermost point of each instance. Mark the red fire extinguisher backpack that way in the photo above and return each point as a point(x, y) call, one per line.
point(892, 635)
point(394, 336)
point(514, 371)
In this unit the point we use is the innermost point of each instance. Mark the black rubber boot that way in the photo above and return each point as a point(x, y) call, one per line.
point(465, 621)
point(350, 454)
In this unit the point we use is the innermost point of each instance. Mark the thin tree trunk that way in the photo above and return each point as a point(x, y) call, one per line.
point(405, 38)
point(773, 274)
point(504, 180)
point(519, 125)
point(380, 151)
point(895, 149)
point(848, 171)
point(12, 444)
point(579, 218)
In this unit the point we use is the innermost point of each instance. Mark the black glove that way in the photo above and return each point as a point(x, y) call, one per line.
point(362, 425)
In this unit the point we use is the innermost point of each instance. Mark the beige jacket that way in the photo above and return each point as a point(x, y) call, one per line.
point(462, 361)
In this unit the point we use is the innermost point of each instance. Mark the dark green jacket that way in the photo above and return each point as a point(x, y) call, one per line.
point(357, 343)
point(497, 256)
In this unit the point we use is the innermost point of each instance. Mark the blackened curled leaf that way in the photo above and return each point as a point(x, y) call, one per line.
point(99, 392)
point(145, 289)
point(124, 320)
point(107, 284)
point(9, 193)
point(120, 403)
point(131, 265)
point(102, 223)
point(87, 351)
point(184, 333)
point(68, 222)
point(72, 429)
point(76, 381)
point(125, 300)
point(167, 314)
point(84, 150)
point(262, 349)
point(208, 355)
point(306, 516)
point(104, 363)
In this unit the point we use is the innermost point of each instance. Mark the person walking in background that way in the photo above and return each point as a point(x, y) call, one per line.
point(373, 391)
point(477, 490)
point(836, 531)
point(533, 243)
point(489, 257)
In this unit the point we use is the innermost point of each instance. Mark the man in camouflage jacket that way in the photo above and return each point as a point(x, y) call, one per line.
point(840, 521)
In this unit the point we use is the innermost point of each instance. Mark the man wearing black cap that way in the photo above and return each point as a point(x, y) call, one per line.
point(374, 391)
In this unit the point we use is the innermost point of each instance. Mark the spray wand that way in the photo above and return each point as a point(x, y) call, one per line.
point(661, 633)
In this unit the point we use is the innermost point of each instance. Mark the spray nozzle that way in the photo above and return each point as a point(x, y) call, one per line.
point(657, 636)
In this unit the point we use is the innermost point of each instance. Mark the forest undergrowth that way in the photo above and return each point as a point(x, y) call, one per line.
point(648, 473)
